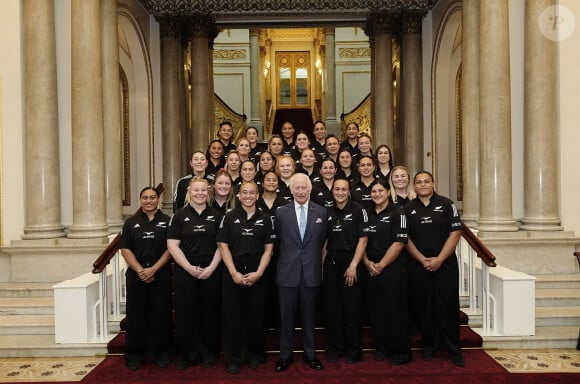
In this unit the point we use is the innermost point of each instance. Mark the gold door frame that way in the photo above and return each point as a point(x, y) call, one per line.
point(293, 61)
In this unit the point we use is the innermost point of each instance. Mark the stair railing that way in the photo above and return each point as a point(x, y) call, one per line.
point(470, 247)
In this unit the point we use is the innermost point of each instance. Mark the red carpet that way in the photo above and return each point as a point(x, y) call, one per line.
point(479, 369)
point(469, 339)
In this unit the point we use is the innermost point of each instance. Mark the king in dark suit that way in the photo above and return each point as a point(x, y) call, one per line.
point(301, 230)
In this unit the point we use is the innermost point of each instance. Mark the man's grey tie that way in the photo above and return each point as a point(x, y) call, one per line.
point(302, 222)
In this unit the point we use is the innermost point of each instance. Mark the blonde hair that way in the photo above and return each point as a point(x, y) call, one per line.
point(411, 194)
point(197, 179)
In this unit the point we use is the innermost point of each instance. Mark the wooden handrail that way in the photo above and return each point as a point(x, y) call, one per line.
point(482, 251)
point(105, 257)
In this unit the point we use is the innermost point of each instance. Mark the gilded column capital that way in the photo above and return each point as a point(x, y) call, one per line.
point(329, 31)
point(170, 27)
point(381, 23)
point(411, 23)
point(254, 32)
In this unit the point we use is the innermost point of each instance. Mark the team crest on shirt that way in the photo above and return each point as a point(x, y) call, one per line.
point(316, 179)
point(370, 228)
point(425, 220)
point(148, 235)
point(210, 218)
point(162, 224)
point(386, 219)
point(347, 217)
point(259, 222)
point(438, 208)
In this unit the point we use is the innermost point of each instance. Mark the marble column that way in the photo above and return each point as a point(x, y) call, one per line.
point(412, 92)
point(89, 205)
point(470, 110)
point(203, 30)
point(112, 115)
point(42, 167)
point(379, 28)
point(332, 121)
point(541, 199)
point(255, 81)
point(171, 103)
point(495, 150)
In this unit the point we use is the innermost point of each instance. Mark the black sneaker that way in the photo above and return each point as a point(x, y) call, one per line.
point(133, 364)
point(233, 368)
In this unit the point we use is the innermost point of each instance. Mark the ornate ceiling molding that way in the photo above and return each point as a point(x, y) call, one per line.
point(283, 12)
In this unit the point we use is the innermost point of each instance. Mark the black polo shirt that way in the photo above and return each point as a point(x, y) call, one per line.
point(321, 195)
point(384, 229)
point(431, 225)
point(361, 193)
point(278, 202)
point(284, 190)
point(345, 227)
point(197, 232)
point(211, 169)
point(146, 239)
point(257, 151)
point(228, 148)
point(246, 237)
point(319, 150)
point(314, 176)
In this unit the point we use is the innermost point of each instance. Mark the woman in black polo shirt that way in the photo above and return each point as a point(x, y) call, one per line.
point(360, 190)
point(434, 231)
point(387, 276)
point(143, 244)
point(245, 239)
point(322, 191)
point(192, 243)
point(341, 290)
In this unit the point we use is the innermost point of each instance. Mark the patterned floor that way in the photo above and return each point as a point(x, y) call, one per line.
point(22, 370)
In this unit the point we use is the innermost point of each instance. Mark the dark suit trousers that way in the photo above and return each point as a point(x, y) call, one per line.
point(290, 297)
point(149, 324)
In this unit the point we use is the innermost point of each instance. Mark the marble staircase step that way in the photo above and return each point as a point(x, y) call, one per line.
point(557, 297)
point(558, 316)
point(27, 306)
point(26, 290)
point(26, 325)
point(545, 337)
point(45, 346)
point(562, 280)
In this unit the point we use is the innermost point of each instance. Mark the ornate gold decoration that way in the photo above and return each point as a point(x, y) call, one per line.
point(354, 53)
point(126, 138)
point(293, 33)
point(224, 113)
point(361, 115)
point(229, 54)
point(282, 9)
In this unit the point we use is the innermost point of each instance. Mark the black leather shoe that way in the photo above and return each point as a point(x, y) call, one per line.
point(427, 354)
point(133, 364)
point(233, 368)
point(458, 361)
point(282, 365)
point(313, 362)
